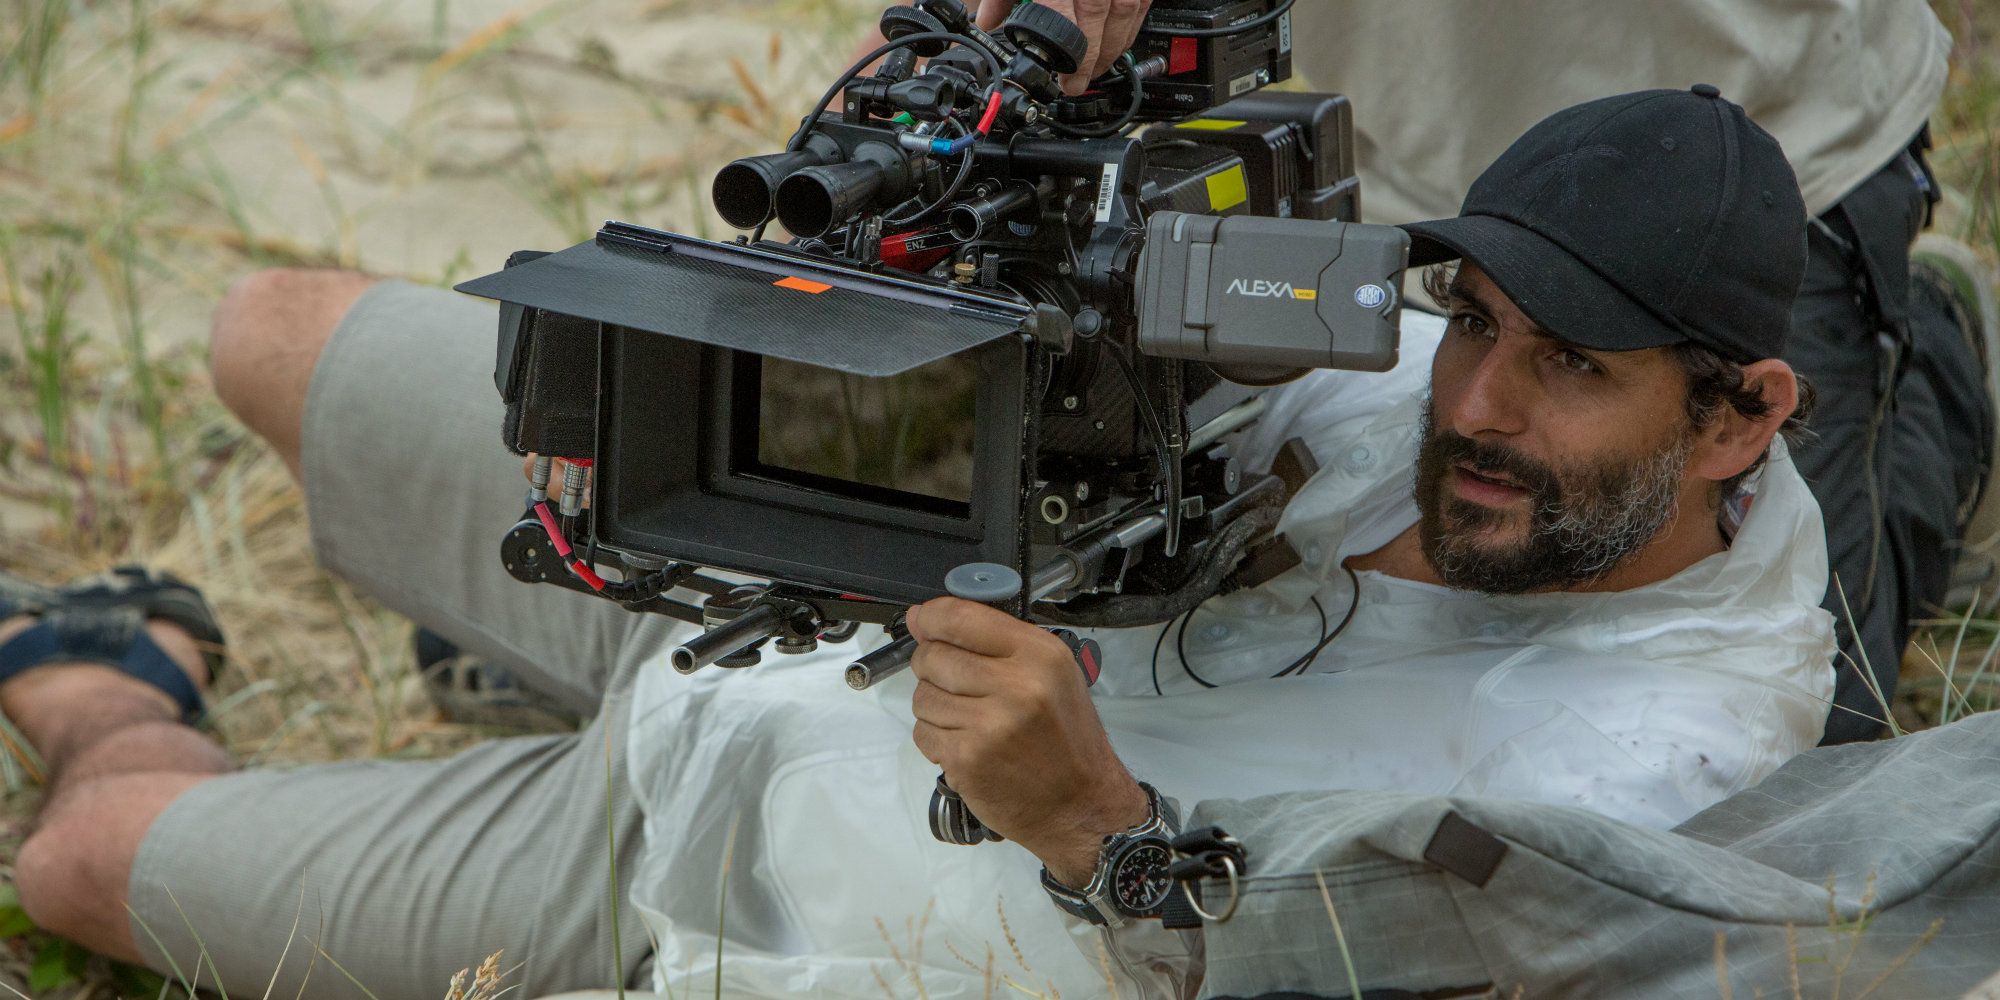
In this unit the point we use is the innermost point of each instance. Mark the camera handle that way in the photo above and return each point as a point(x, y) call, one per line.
point(952, 820)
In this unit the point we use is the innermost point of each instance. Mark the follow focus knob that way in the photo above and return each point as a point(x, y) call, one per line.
point(1050, 38)
point(985, 582)
point(898, 22)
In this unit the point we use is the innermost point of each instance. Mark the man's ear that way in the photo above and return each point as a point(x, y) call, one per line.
point(1734, 441)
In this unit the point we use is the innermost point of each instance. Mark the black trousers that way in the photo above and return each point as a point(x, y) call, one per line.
point(1902, 431)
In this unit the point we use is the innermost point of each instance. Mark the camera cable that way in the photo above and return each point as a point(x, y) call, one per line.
point(964, 143)
point(1296, 668)
point(641, 588)
point(813, 119)
point(1262, 20)
point(1130, 73)
point(1152, 419)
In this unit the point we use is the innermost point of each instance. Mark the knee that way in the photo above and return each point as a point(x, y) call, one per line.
point(61, 885)
point(75, 870)
point(268, 332)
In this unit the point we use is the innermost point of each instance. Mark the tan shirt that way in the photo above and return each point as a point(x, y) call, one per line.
point(1441, 88)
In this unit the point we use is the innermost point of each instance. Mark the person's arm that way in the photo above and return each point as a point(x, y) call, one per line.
point(1002, 708)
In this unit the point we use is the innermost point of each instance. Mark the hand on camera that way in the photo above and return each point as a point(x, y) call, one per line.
point(1003, 709)
point(1111, 26)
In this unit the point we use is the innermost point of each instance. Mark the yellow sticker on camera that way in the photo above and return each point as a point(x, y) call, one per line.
point(1227, 189)
point(1211, 124)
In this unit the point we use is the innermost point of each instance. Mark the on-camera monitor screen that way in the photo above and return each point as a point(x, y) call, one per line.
point(908, 433)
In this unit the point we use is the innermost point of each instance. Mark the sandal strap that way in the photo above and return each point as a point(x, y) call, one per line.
point(114, 637)
point(154, 594)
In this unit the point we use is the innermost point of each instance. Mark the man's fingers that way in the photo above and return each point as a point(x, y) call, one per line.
point(968, 625)
point(1089, 15)
point(941, 708)
point(953, 670)
point(992, 12)
point(930, 740)
point(1121, 28)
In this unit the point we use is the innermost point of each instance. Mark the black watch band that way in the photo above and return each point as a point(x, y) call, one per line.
point(1130, 880)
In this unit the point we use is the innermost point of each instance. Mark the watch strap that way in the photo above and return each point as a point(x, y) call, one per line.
point(1096, 902)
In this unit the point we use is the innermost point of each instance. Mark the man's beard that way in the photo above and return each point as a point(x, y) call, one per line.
point(1584, 519)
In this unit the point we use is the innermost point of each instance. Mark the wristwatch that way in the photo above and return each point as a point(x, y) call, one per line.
point(1130, 880)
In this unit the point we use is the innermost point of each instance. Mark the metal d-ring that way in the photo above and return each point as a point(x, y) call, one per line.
point(1235, 896)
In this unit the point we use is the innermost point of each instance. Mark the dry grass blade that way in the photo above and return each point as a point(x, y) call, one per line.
point(161, 947)
point(611, 857)
point(203, 957)
point(1792, 959)
point(1722, 966)
point(1902, 959)
point(1864, 670)
point(297, 914)
point(1008, 933)
point(750, 88)
point(478, 42)
point(365, 991)
point(1339, 936)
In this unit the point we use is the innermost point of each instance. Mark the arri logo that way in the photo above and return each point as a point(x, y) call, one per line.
point(1261, 289)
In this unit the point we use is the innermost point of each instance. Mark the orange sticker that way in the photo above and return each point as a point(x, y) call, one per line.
point(802, 285)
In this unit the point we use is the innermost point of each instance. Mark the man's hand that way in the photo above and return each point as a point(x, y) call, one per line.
point(1001, 706)
point(1111, 25)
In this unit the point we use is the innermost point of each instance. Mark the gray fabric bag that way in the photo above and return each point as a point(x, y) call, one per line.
point(1863, 870)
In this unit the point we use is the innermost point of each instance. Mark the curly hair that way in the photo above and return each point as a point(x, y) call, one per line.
point(1713, 382)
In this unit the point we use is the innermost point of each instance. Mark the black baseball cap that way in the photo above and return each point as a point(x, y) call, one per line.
point(1638, 221)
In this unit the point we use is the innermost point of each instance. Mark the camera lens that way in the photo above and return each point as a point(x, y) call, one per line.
point(815, 200)
point(742, 195)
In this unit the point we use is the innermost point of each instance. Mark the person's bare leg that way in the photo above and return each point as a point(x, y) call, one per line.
point(117, 755)
point(268, 334)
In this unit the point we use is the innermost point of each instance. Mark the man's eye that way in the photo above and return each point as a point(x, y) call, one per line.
point(1470, 324)
point(1575, 361)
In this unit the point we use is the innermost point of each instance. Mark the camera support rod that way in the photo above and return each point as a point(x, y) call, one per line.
point(759, 621)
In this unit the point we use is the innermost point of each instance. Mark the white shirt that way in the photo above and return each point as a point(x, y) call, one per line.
point(1646, 705)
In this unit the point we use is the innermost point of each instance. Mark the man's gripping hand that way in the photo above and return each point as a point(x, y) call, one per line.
point(1002, 707)
point(1111, 26)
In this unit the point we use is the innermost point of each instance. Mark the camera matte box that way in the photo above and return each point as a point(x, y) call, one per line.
point(676, 326)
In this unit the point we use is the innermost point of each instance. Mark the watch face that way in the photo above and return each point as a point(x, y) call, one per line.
point(1139, 884)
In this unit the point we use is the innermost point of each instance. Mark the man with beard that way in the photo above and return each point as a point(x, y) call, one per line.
point(1544, 578)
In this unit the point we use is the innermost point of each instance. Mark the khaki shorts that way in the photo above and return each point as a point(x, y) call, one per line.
point(405, 872)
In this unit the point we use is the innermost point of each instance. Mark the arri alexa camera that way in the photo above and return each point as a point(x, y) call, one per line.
point(1006, 340)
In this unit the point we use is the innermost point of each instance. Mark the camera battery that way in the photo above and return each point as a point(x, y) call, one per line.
point(1328, 187)
point(1197, 178)
point(1270, 153)
point(1204, 72)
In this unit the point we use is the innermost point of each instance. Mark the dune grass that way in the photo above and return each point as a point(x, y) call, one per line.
point(151, 150)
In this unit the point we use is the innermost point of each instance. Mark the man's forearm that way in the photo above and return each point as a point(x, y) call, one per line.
point(1070, 850)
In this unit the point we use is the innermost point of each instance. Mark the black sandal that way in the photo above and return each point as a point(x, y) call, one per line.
point(102, 620)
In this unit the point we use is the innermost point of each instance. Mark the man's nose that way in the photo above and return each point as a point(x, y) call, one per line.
point(1494, 399)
